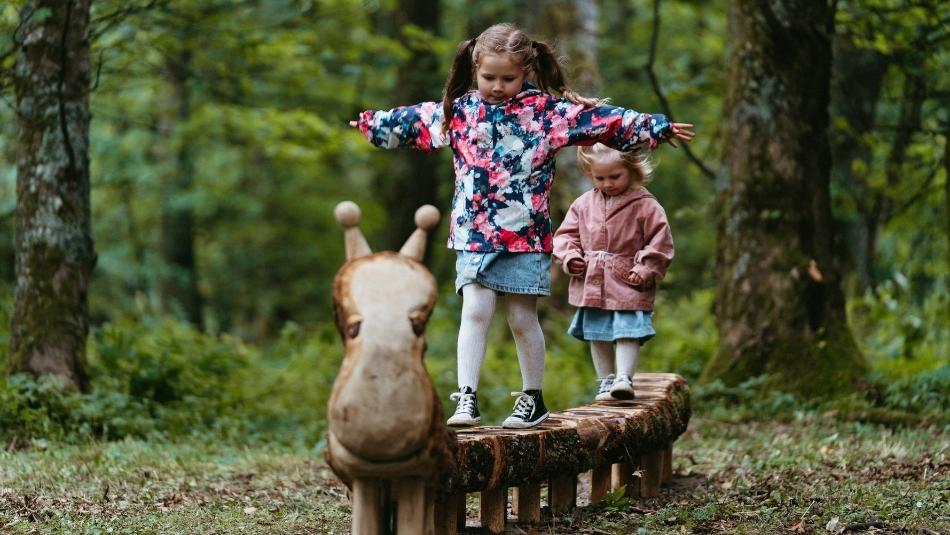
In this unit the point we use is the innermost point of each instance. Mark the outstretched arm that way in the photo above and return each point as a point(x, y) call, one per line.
point(418, 126)
point(619, 128)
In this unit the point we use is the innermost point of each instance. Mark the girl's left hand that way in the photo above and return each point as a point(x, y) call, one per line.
point(681, 131)
point(635, 279)
point(352, 123)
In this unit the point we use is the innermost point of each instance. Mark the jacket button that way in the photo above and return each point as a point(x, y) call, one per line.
point(595, 281)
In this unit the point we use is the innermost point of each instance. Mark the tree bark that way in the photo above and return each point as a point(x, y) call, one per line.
point(179, 282)
point(415, 178)
point(54, 247)
point(780, 307)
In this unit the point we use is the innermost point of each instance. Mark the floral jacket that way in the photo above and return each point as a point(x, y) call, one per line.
point(615, 236)
point(504, 157)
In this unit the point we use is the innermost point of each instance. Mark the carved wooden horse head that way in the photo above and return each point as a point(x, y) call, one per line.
point(384, 413)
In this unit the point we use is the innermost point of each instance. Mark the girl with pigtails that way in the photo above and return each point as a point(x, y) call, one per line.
point(503, 136)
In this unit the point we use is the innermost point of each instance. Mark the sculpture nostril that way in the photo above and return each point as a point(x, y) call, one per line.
point(353, 329)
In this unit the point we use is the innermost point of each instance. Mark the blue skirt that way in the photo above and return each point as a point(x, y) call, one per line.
point(514, 273)
point(610, 325)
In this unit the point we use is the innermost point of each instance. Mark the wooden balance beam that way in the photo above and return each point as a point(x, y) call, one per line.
point(623, 443)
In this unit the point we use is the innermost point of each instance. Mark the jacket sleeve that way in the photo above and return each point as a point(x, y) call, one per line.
point(418, 126)
point(650, 263)
point(618, 128)
point(567, 239)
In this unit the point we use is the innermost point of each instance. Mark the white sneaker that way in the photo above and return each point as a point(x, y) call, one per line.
point(603, 391)
point(622, 388)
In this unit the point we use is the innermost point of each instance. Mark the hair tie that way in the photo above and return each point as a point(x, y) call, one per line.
point(535, 44)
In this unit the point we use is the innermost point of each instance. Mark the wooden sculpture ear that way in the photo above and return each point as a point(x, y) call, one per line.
point(427, 217)
point(347, 214)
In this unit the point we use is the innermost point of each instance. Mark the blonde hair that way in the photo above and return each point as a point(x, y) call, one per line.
point(638, 161)
point(536, 58)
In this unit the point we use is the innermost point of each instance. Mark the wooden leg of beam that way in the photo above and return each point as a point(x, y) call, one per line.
point(622, 476)
point(411, 510)
point(529, 503)
point(563, 494)
point(493, 516)
point(668, 464)
point(366, 507)
point(652, 465)
point(446, 516)
point(460, 512)
point(599, 482)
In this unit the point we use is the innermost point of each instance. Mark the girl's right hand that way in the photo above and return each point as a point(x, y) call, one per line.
point(576, 266)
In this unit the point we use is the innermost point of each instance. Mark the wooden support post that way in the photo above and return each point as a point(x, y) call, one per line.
point(668, 464)
point(366, 507)
point(429, 524)
point(562, 494)
point(446, 514)
point(652, 466)
point(528, 500)
point(494, 513)
point(599, 482)
point(411, 505)
point(622, 476)
point(461, 502)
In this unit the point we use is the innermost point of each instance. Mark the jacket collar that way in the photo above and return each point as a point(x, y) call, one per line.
point(527, 90)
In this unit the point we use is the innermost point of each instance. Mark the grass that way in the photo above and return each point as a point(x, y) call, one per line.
point(810, 472)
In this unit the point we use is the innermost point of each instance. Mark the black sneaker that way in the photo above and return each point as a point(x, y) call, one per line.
point(466, 413)
point(529, 410)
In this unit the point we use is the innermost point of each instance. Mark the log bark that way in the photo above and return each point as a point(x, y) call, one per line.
point(780, 306)
point(54, 247)
point(575, 440)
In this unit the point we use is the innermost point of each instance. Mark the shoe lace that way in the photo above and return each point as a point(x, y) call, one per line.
point(524, 406)
point(605, 384)
point(466, 402)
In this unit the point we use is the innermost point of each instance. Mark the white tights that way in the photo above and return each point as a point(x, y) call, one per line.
point(627, 350)
point(478, 307)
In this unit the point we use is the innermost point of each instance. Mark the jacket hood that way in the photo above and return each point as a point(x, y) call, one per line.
point(629, 196)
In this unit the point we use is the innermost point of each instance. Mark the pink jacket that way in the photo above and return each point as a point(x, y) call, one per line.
point(615, 236)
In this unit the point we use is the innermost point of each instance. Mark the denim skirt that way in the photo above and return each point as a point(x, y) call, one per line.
point(611, 325)
point(515, 273)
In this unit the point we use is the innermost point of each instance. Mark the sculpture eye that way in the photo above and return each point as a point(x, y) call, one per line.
point(353, 328)
point(418, 323)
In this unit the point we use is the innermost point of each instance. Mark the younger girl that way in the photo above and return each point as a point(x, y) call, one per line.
point(615, 243)
point(503, 137)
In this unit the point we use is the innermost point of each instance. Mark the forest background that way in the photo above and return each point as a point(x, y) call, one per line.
point(219, 146)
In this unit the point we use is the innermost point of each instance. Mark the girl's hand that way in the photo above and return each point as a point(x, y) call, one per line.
point(576, 267)
point(681, 131)
point(635, 279)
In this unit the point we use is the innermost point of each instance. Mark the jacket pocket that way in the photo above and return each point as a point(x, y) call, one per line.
point(621, 267)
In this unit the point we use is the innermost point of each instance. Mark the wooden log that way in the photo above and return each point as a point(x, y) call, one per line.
point(410, 505)
point(562, 494)
point(599, 482)
point(652, 467)
point(494, 510)
point(366, 507)
point(528, 500)
point(575, 440)
point(668, 464)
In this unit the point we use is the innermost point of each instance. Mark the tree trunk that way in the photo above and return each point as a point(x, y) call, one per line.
point(54, 249)
point(415, 178)
point(179, 286)
point(780, 308)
